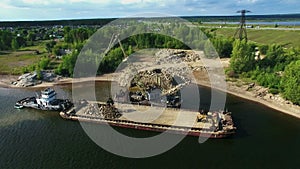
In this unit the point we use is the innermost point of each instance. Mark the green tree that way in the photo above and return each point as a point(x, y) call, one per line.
point(21, 41)
point(223, 46)
point(242, 58)
point(76, 35)
point(66, 67)
point(39, 73)
point(275, 55)
point(290, 82)
point(44, 63)
point(18, 42)
point(15, 44)
point(5, 40)
point(67, 29)
point(31, 37)
point(263, 49)
point(130, 50)
point(49, 46)
point(56, 50)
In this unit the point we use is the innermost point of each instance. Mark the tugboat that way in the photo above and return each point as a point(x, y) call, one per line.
point(45, 101)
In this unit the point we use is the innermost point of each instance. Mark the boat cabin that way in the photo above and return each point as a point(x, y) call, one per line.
point(46, 97)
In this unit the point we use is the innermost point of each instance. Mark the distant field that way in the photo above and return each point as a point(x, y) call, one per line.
point(39, 45)
point(13, 62)
point(254, 25)
point(288, 38)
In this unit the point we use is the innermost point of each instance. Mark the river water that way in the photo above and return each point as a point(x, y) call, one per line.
point(30, 138)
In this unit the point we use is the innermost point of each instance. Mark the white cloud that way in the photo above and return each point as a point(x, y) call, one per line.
point(290, 1)
point(130, 1)
point(247, 1)
point(91, 1)
point(51, 2)
point(59, 9)
point(252, 1)
point(43, 2)
point(6, 5)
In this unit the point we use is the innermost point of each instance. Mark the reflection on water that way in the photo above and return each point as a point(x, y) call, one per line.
point(10, 116)
point(4, 92)
point(13, 118)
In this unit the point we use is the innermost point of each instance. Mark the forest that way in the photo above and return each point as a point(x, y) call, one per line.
point(278, 70)
point(277, 67)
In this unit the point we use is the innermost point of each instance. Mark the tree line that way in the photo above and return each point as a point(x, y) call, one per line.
point(9, 41)
point(278, 70)
point(16, 38)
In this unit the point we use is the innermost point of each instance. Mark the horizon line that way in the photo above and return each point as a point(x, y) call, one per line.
point(128, 17)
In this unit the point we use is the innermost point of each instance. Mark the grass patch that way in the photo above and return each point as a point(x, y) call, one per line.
point(288, 38)
point(13, 62)
point(248, 81)
point(38, 46)
point(54, 64)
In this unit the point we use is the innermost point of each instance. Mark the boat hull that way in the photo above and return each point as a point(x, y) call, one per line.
point(152, 127)
point(30, 102)
point(18, 106)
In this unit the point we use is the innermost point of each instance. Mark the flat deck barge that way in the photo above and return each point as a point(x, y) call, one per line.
point(178, 121)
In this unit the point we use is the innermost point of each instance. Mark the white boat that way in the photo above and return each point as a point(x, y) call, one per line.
point(45, 101)
point(46, 97)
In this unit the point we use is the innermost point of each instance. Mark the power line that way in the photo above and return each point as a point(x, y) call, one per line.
point(241, 30)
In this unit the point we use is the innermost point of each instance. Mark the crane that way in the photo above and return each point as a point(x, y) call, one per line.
point(114, 38)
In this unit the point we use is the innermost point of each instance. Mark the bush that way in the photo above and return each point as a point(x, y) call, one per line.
point(273, 91)
point(231, 73)
point(290, 82)
point(242, 58)
point(39, 73)
point(44, 63)
point(24, 70)
point(263, 49)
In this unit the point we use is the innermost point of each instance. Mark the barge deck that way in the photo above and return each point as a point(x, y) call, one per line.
point(158, 119)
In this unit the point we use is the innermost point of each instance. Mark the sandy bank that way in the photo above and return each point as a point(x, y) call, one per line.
point(240, 89)
point(5, 80)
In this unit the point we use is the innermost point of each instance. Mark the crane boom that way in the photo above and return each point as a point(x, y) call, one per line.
point(114, 38)
point(122, 48)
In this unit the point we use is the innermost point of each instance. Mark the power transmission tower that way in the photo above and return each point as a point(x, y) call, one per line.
point(241, 30)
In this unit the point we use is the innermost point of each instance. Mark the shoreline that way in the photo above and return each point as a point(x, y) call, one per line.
point(289, 109)
point(232, 88)
point(5, 81)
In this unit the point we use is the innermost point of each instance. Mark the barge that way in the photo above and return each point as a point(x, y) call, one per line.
point(218, 124)
point(210, 125)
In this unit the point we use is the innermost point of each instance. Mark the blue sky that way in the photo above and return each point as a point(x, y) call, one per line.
point(18, 10)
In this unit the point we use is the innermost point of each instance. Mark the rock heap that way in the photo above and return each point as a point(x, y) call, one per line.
point(31, 79)
point(103, 111)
